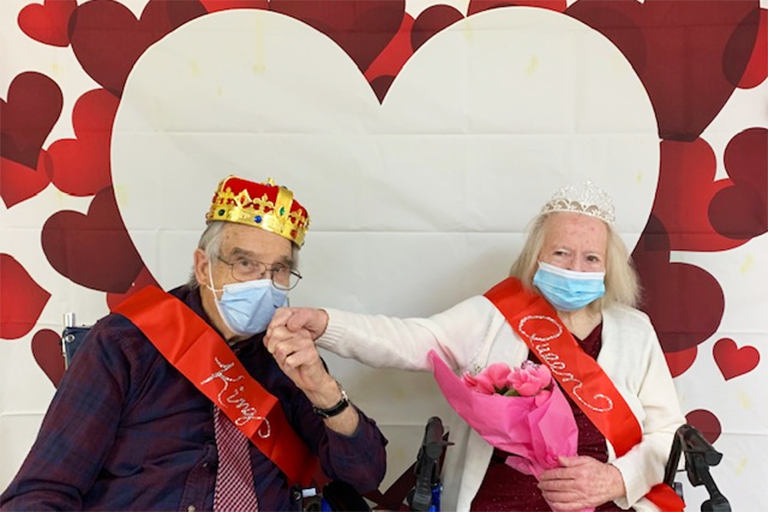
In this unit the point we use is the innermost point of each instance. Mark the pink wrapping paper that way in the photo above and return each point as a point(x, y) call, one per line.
point(536, 429)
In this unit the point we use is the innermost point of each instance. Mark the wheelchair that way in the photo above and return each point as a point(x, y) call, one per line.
point(420, 487)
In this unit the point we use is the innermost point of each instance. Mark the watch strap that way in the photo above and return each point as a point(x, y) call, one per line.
point(336, 409)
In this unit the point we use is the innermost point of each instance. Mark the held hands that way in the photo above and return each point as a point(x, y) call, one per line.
point(294, 319)
point(297, 356)
point(290, 339)
point(581, 482)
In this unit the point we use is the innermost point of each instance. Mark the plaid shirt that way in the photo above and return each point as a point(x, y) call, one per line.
point(126, 431)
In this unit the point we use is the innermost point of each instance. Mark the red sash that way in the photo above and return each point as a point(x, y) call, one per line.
point(534, 320)
point(203, 357)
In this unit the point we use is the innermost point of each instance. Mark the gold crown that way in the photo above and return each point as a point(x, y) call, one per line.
point(261, 205)
point(586, 198)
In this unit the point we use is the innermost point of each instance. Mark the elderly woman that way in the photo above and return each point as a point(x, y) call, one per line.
point(569, 303)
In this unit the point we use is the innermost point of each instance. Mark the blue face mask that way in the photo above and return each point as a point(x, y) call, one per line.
point(247, 308)
point(567, 290)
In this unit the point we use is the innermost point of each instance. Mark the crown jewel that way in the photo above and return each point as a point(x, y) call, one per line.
point(586, 198)
point(262, 205)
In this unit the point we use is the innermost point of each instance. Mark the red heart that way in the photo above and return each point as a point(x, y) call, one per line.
point(684, 301)
point(93, 250)
point(741, 211)
point(757, 69)
point(690, 166)
point(706, 423)
point(33, 107)
point(362, 28)
point(385, 67)
point(143, 279)
point(431, 21)
point(48, 23)
point(679, 362)
point(81, 166)
point(734, 361)
point(46, 349)
point(18, 182)
point(21, 297)
point(702, 63)
point(107, 39)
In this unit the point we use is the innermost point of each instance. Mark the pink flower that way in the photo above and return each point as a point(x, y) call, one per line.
point(498, 376)
point(493, 379)
point(530, 378)
point(470, 381)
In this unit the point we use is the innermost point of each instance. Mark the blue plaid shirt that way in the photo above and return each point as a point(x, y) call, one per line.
point(126, 431)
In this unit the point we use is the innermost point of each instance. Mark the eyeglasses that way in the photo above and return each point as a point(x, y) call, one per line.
point(282, 276)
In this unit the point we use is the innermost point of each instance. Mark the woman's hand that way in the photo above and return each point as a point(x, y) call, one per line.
point(295, 319)
point(581, 482)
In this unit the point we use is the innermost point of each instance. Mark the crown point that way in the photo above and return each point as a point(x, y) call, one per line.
point(585, 198)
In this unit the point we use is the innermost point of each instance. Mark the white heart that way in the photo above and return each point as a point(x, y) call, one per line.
point(416, 203)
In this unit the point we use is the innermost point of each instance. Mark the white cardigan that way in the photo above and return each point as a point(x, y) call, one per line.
point(473, 334)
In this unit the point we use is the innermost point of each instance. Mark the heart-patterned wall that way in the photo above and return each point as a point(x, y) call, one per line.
point(421, 137)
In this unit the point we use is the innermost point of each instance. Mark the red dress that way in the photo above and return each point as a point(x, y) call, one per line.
point(504, 488)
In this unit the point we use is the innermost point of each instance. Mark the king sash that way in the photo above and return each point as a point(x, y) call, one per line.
point(205, 359)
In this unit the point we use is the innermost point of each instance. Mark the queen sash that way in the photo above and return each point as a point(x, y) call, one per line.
point(205, 359)
point(534, 320)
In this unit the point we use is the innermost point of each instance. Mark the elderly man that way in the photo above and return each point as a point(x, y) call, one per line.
point(174, 403)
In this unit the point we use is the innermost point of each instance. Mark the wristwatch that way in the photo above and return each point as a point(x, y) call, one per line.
point(336, 409)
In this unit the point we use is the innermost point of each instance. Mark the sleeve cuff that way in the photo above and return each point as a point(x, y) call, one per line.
point(633, 483)
point(351, 447)
point(333, 331)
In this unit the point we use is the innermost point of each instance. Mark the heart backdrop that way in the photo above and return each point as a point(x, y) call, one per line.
point(484, 99)
point(421, 137)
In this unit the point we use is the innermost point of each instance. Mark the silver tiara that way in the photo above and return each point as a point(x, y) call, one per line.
point(586, 198)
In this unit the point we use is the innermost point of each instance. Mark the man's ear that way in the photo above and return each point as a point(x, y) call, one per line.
point(202, 268)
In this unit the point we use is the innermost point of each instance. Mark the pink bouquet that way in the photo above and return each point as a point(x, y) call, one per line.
point(521, 411)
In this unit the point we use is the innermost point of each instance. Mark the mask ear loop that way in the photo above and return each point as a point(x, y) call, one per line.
point(212, 287)
point(216, 299)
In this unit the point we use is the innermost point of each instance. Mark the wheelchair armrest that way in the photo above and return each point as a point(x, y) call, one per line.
point(427, 469)
point(699, 455)
point(71, 339)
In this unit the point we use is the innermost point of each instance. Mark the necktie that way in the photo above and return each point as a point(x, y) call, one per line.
point(234, 477)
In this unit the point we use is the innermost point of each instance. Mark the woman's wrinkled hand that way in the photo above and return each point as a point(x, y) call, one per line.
point(580, 483)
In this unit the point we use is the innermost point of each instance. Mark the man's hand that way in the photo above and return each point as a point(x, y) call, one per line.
point(295, 319)
point(297, 356)
point(581, 482)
